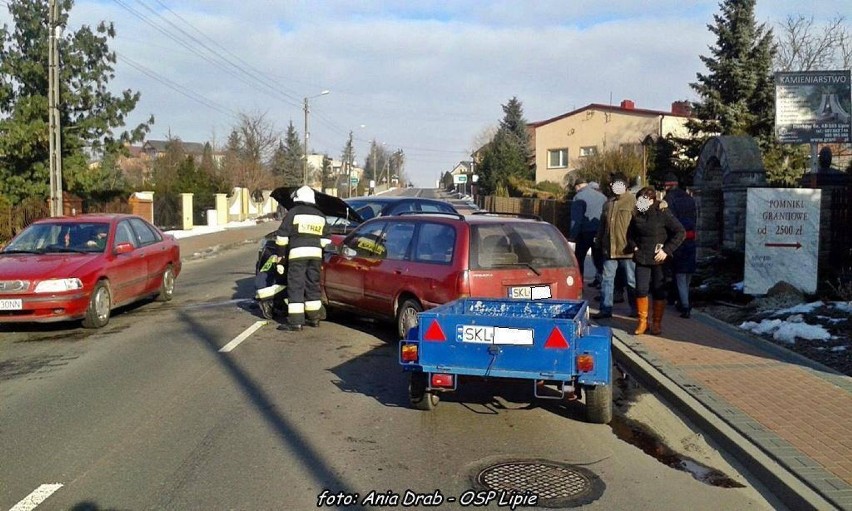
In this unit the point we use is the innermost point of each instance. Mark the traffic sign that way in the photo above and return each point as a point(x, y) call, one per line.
point(459, 179)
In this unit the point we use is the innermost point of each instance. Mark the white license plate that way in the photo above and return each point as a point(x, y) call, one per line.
point(495, 335)
point(530, 292)
point(11, 305)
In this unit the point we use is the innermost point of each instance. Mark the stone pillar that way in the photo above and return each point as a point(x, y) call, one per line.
point(244, 203)
point(186, 211)
point(221, 209)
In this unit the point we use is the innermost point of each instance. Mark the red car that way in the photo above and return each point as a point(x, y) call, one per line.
point(83, 267)
point(394, 267)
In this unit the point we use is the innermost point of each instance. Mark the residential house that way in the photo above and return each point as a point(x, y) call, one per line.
point(563, 141)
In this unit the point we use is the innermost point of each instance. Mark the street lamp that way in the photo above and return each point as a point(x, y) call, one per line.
point(307, 109)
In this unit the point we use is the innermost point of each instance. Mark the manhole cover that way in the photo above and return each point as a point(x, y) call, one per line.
point(554, 484)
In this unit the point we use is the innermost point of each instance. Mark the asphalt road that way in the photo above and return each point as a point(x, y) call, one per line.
point(149, 414)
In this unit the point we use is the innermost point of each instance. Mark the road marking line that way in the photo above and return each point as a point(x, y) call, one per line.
point(242, 337)
point(35, 498)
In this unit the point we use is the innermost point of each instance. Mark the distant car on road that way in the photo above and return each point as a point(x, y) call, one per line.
point(83, 267)
point(371, 207)
point(393, 267)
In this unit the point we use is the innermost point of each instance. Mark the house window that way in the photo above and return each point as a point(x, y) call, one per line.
point(589, 150)
point(557, 158)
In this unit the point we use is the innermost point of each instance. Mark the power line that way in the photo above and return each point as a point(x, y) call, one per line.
point(180, 89)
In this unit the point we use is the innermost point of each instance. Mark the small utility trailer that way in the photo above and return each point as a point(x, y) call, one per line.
point(549, 342)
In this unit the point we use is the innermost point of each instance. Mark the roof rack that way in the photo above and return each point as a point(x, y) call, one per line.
point(444, 213)
point(516, 215)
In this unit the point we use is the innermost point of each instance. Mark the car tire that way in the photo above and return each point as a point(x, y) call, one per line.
point(598, 404)
point(406, 316)
point(100, 306)
point(419, 396)
point(167, 286)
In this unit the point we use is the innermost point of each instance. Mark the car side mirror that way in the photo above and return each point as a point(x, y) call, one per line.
point(123, 248)
point(349, 253)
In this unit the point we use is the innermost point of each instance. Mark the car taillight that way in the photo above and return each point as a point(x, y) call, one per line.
point(463, 284)
point(409, 353)
point(585, 363)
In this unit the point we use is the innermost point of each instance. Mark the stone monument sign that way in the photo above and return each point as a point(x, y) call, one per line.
point(782, 238)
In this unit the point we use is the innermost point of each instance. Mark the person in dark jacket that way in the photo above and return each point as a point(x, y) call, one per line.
point(654, 234)
point(301, 237)
point(586, 207)
point(683, 264)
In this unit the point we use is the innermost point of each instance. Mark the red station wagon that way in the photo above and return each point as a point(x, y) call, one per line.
point(394, 267)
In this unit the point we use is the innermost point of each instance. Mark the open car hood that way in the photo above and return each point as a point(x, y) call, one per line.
point(328, 204)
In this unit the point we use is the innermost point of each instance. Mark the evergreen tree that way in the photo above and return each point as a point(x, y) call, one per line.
point(508, 155)
point(348, 159)
point(89, 113)
point(287, 162)
point(325, 172)
point(737, 93)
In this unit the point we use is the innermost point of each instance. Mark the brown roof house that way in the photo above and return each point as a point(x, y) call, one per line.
point(563, 141)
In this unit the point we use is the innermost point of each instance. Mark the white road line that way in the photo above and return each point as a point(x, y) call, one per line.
point(35, 498)
point(242, 337)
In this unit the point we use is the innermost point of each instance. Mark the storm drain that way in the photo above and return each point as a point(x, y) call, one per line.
point(555, 484)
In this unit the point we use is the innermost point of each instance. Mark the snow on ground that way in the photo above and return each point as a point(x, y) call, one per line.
point(785, 325)
point(204, 229)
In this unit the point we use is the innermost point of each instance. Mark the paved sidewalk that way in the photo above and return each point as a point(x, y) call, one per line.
point(788, 419)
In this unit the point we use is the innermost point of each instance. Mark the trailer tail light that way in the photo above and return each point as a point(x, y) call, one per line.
point(442, 380)
point(463, 284)
point(434, 332)
point(409, 353)
point(556, 340)
point(585, 363)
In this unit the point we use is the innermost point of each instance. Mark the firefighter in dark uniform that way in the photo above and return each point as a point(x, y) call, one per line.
point(301, 237)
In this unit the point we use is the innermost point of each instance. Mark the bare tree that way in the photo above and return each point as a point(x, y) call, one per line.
point(249, 152)
point(804, 45)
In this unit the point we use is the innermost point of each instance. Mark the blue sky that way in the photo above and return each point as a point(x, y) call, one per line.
point(426, 77)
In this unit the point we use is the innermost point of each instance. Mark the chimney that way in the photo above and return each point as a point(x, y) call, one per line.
point(628, 104)
point(682, 108)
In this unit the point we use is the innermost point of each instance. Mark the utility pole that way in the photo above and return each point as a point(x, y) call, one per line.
point(307, 110)
point(54, 127)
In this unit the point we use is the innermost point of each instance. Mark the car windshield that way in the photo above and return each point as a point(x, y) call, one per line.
point(59, 237)
point(367, 209)
point(535, 245)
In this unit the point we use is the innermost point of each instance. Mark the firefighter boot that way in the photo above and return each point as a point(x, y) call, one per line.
point(642, 313)
point(657, 319)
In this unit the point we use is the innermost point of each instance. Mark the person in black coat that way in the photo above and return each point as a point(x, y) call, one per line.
point(683, 264)
point(654, 234)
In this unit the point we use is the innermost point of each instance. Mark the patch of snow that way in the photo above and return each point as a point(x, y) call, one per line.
point(738, 286)
point(838, 349)
point(802, 308)
point(205, 229)
point(843, 306)
point(785, 331)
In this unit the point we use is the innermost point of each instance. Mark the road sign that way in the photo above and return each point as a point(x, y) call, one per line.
point(353, 180)
point(459, 179)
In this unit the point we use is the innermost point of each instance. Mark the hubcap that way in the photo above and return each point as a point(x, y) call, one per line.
point(102, 303)
point(169, 282)
point(409, 319)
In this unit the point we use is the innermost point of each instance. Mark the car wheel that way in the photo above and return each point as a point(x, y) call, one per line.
point(599, 404)
point(419, 397)
point(406, 316)
point(100, 305)
point(167, 287)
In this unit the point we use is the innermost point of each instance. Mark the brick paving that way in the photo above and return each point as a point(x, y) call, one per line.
point(797, 412)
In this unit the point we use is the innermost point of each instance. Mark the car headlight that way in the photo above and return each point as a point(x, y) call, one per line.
point(58, 285)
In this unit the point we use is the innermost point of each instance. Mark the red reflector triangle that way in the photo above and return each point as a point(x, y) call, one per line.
point(434, 333)
point(556, 340)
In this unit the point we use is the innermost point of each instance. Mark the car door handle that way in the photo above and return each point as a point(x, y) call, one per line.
point(400, 271)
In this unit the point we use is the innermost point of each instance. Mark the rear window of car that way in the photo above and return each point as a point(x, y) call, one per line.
point(435, 243)
point(539, 245)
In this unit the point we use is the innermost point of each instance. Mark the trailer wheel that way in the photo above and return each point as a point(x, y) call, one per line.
point(421, 398)
point(598, 404)
point(406, 316)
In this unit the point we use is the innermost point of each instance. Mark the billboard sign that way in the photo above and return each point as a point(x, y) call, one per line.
point(813, 107)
